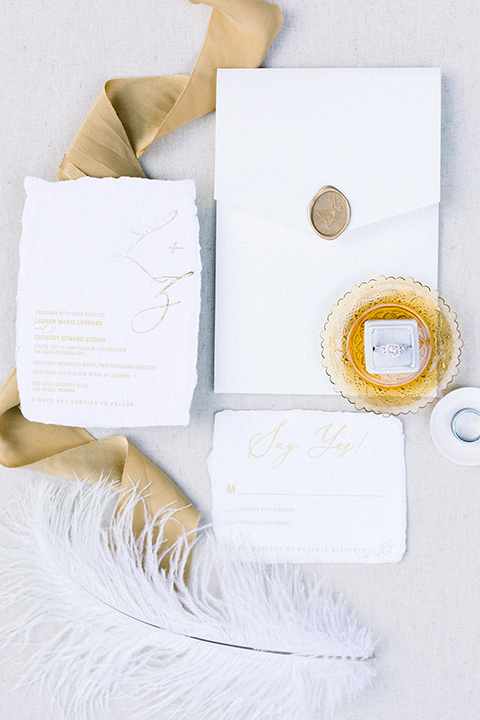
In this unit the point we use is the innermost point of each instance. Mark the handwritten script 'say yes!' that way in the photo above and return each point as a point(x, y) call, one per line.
point(166, 282)
point(262, 444)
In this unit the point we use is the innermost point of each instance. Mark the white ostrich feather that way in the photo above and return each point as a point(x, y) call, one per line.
point(100, 622)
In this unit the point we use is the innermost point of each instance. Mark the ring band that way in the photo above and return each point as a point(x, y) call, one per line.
point(391, 350)
point(453, 425)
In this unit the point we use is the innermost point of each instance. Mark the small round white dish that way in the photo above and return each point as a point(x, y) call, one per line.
point(458, 451)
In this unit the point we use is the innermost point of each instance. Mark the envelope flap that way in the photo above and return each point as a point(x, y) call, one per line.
point(283, 134)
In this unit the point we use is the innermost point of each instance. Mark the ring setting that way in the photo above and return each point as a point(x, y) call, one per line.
point(391, 350)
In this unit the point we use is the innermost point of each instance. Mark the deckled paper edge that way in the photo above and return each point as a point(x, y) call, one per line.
point(211, 459)
point(30, 181)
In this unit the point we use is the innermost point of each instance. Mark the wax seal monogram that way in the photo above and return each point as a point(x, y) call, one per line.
point(329, 213)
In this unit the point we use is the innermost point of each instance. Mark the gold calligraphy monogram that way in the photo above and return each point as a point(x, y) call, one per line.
point(165, 281)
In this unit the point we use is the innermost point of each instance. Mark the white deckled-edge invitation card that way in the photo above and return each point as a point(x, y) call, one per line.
point(108, 302)
point(309, 486)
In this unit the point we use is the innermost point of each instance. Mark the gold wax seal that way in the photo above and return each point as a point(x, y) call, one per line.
point(329, 213)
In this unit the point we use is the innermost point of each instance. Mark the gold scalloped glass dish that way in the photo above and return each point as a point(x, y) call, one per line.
point(388, 299)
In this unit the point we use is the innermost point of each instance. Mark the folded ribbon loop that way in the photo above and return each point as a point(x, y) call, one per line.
point(132, 113)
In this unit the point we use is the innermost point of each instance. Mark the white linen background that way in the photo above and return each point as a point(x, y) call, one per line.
point(56, 56)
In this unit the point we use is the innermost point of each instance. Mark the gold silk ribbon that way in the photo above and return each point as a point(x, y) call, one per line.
point(132, 113)
point(128, 116)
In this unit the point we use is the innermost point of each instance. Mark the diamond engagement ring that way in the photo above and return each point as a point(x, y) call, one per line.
point(391, 350)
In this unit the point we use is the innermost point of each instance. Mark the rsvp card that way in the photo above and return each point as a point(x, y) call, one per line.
point(108, 302)
point(309, 486)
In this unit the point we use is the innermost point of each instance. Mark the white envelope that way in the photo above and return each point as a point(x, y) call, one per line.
point(282, 135)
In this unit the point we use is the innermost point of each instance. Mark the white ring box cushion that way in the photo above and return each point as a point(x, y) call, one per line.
point(378, 333)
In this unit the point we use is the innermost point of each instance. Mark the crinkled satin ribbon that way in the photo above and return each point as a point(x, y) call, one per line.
point(129, 115)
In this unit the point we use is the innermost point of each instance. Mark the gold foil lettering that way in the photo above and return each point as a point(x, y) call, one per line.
point(260, 445)
point(147, 320)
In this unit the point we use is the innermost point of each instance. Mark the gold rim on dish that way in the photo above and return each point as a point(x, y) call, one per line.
point(417, 390)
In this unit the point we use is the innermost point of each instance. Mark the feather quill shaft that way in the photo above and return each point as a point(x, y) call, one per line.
point(242, 641)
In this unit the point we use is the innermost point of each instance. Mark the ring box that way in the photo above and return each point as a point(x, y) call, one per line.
point(382, 333)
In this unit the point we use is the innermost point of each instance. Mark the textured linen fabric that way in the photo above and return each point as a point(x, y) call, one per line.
point(56, 58)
